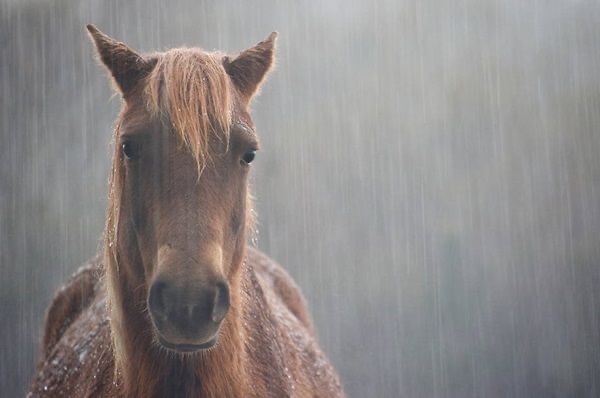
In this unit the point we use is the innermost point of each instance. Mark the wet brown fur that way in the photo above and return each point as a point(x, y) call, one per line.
point(98, 338)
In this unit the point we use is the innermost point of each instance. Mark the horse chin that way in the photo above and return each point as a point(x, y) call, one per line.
point(188, 348)
point(174, 343)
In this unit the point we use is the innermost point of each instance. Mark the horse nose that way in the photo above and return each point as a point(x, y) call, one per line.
point(190, 311)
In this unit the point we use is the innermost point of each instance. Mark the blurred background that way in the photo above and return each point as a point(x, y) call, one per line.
point(429, 175)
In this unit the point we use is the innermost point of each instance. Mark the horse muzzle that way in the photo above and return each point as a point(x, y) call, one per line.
point(187, 315)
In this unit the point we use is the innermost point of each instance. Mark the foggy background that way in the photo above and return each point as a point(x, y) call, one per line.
point(429, 174)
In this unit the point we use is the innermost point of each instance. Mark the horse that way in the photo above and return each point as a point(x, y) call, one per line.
point(178, 302)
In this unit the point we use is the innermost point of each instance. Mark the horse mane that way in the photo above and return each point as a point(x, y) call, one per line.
point(189, 88)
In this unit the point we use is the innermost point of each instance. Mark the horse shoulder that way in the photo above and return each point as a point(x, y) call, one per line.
point(282, 285)
point(78, 357)
point(296, 365)
point(70, 300)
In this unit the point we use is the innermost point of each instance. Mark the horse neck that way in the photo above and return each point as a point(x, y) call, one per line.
point(145, 370)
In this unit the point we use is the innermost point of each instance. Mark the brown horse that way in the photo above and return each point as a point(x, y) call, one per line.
point(177, 304)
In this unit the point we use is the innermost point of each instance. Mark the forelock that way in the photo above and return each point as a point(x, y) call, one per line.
point(189, 89)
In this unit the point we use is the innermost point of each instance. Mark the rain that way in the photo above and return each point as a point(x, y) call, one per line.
point(428, 174)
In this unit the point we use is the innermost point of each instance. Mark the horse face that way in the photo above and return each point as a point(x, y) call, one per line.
point(188, 226)
point(181, 226)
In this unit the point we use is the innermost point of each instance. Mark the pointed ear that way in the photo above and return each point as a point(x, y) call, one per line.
point(125, 65)
point(248, 70)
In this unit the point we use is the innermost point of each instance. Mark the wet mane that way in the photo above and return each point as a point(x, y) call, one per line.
point(189, 89)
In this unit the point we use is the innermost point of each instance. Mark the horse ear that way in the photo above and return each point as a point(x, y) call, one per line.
point(248, 70)
point(125, 65)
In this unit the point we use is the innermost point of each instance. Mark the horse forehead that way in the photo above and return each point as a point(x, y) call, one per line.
point(242, 119)
point(135, 117)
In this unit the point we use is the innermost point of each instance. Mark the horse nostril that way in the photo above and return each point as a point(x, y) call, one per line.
point(188, 311)
point(221, 305)
point(156, 300)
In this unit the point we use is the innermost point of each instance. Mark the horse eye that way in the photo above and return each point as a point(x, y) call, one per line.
point(249, 156)
point(131, 150)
